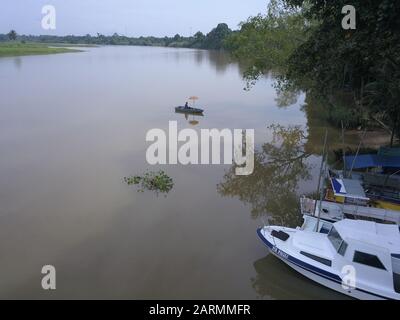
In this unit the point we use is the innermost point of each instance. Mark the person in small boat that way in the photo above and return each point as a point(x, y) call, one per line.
point(186, 105)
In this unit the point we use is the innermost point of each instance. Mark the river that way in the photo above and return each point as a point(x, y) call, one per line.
point(73, 125)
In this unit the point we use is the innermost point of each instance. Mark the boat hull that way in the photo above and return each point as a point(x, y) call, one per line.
point(319, 276)
point(189, 110)
point(329, 283)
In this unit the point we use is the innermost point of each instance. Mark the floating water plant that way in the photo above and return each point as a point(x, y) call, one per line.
point(158, 182)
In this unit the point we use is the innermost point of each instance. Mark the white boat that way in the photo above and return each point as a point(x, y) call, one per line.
point(365, 189)
point(357, 258)
point(333, 211)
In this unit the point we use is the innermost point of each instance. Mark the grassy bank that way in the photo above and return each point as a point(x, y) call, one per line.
point(11, 49)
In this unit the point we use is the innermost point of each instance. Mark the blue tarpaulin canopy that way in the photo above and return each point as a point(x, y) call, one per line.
point(389, 152)
point(372, 160)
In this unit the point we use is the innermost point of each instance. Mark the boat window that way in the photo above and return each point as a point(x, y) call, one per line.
point(324, 261)
point(325, 228)
point(396, 272)
point(396, 282)
point(338, 243)
point(368, 260)
point(335, 238)
point(343, 248)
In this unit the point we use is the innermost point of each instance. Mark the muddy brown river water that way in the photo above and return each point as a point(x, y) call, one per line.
point(73, 125)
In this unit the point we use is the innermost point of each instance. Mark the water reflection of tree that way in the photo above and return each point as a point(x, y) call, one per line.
point(278, 168)
point(286, 97)
point(219, 60)
point(317, 125)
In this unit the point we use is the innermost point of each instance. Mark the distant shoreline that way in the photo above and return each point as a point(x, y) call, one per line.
point(215, 39)
point(18, 48)
point(15, 49)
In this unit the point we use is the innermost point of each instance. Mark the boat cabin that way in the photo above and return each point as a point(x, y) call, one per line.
point(372, 249)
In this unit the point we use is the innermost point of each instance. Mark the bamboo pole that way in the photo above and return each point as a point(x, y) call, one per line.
point(319, 180)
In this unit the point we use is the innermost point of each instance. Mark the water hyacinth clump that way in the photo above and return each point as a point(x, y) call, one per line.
point(159, 182)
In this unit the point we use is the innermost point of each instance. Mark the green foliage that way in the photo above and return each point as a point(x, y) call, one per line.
point(12, 35)
point(304, 41)
point(158, 182)
point(9, 49)
point(216, 37)
point(199, 36)
point(267, 41)
point(363, 62)
point(382, 94)
point(213, 40)
point(197, 41)
point(335, 115)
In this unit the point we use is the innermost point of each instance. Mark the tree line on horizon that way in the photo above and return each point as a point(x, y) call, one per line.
point(215, 39)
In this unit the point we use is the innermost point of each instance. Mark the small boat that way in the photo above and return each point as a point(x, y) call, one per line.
point(333, 211)
point(379, 177)
point(189, 110)
point(365, 189)
point(357, 258)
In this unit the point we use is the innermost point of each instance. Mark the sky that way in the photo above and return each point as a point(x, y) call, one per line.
point(127, 17)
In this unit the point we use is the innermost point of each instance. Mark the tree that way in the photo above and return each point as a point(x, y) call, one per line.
point(12, 35)
point(197, 41)
point(383, 96)
point(216, 37)
point(88, 39)
point(355, 72)
point(362, 62)
point(199, 36)
point(267, 41)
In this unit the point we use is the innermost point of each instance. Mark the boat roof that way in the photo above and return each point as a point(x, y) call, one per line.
point(349, 188)
point(314, 243)
point(372, 160)
point(378, 234)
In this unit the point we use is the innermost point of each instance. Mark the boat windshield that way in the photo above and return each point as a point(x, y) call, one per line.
point(338, 243)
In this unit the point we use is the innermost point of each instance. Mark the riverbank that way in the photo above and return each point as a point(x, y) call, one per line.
point(12, 49)
point(212, 40)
